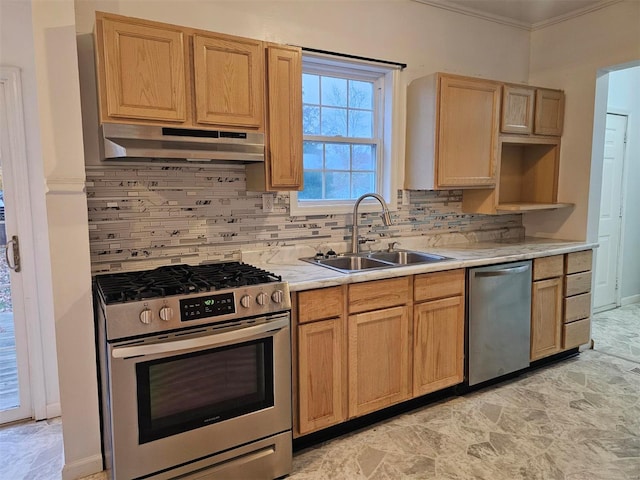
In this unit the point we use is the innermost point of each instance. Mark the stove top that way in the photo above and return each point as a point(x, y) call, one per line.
point(179, 280)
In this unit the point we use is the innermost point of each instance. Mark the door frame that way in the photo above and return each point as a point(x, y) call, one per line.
point(15, 170)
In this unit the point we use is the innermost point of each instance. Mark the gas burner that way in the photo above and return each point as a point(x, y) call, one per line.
point(180, 280)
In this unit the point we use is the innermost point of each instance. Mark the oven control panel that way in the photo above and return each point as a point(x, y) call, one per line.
point(205, 307)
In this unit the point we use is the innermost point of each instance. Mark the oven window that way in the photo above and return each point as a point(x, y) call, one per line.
point(184, 392)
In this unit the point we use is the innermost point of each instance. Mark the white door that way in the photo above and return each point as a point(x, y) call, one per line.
point(17, 307)
point(607, 256)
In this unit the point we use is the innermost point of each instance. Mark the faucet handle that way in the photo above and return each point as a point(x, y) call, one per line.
point(392, 245)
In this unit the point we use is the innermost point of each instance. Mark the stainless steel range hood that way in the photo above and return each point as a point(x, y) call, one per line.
point(138, 142)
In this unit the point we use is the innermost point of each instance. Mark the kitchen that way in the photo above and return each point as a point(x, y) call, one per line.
point(445, 50)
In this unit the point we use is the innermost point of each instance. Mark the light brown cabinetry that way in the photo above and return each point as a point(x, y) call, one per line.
point(529, 110)
point(452, 132)
point(143, 71)
point(282, 169)
point(319, 359)
point(577, 302)
point(546, 306)
point(438, 331)
point(228, 80)
point(560, 303)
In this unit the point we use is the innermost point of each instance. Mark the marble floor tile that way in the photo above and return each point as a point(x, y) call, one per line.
point(578, 419)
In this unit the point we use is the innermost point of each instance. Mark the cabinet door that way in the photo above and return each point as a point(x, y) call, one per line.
point(469, 116)
point(549, 112)
point(229, 81)
point(141, 71)
point(517, 109)
point(379, 359)
point(438, 345)
point(320, 381)
point(284, 143)
point(546, 318)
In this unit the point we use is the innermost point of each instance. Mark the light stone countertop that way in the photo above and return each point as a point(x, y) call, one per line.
point(284, 261)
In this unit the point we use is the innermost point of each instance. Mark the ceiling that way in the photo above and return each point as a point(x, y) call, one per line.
point(528, 14)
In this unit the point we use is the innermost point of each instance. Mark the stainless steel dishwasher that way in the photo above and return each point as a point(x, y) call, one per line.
point(499, 315)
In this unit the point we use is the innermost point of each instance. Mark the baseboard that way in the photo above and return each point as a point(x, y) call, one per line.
point(53, 410)
point(82, 468)
point(629, 300)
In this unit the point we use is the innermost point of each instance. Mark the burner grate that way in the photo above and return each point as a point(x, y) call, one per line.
point(180, 280)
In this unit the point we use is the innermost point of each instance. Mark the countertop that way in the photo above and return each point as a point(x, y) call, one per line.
point(284, 261)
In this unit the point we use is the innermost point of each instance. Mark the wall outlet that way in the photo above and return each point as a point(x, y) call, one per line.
point(267, 202)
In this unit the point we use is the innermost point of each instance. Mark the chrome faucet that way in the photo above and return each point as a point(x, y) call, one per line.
point(386, 218)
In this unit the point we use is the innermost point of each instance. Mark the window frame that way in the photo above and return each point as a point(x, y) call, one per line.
point(386, 130)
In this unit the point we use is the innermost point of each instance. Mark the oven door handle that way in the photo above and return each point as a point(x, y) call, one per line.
point(213, 340)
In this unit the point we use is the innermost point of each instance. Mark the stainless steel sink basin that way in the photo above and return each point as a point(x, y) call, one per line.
point(350, 262)
point(406, 257)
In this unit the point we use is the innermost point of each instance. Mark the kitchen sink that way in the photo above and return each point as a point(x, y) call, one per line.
point(406, 257)
point(350, 262)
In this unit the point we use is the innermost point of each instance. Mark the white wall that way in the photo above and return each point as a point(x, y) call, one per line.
point(624, 97)
point(568, 55)
point(17, 49)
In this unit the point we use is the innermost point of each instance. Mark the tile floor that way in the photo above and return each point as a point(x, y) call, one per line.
point(575, 420)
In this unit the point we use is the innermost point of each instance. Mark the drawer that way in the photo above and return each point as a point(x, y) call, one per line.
point(548, 267)
point(378, 294)
point(577, 307)
point(578, 261)
point(576, 333)
point(430, 286)
point(320, 304)
point(577, 283)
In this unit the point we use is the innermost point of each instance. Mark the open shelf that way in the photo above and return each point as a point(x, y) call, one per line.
point(529, 206)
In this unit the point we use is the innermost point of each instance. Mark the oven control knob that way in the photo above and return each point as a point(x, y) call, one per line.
point(166, 313)
point(245, 301)
point(277, 296)
point(146, 316)
point(262, 299)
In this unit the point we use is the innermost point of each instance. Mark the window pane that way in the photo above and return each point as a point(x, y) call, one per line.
point(312, 186)
point(362, 183)
point(334, 91)
point(360, 94)
point(312, 155)
point(337, 185)
point(310, 120)
point(364, 157)
point(310, 89)
point(334, 121)
point(337, 156)
point(360, 124)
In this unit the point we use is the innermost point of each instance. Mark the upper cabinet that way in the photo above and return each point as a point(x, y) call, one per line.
point(530, 110)
point(154, 73)
point(229, 80)
point(452, 132)
point(142, 71)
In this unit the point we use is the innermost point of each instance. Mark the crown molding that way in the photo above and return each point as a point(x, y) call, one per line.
point(472, 12)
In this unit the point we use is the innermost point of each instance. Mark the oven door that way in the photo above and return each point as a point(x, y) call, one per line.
point(179, 398)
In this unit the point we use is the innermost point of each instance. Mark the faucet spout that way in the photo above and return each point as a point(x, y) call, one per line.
point(386, 218)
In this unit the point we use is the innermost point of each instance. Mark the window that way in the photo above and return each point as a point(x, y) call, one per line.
point(348, 134)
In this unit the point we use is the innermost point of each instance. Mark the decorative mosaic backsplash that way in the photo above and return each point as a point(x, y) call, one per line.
point(145, 216)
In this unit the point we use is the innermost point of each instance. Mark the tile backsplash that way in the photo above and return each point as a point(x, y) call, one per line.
point(141, 217)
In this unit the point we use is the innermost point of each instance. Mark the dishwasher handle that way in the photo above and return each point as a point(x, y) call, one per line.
point(504, 271)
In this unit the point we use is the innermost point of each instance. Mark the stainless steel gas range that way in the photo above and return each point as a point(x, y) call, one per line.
point(195, 366)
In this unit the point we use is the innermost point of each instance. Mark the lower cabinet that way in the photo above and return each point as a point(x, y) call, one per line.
point(546, 317)
point(379, 359)
point(320, 385)
point(438, 345)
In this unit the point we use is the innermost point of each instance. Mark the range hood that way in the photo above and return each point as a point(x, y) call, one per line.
point(143, 142)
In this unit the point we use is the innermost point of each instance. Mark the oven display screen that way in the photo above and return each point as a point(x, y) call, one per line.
point(209, 306)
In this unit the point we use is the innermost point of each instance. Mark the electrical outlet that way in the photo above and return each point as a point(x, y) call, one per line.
point(267, 202)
